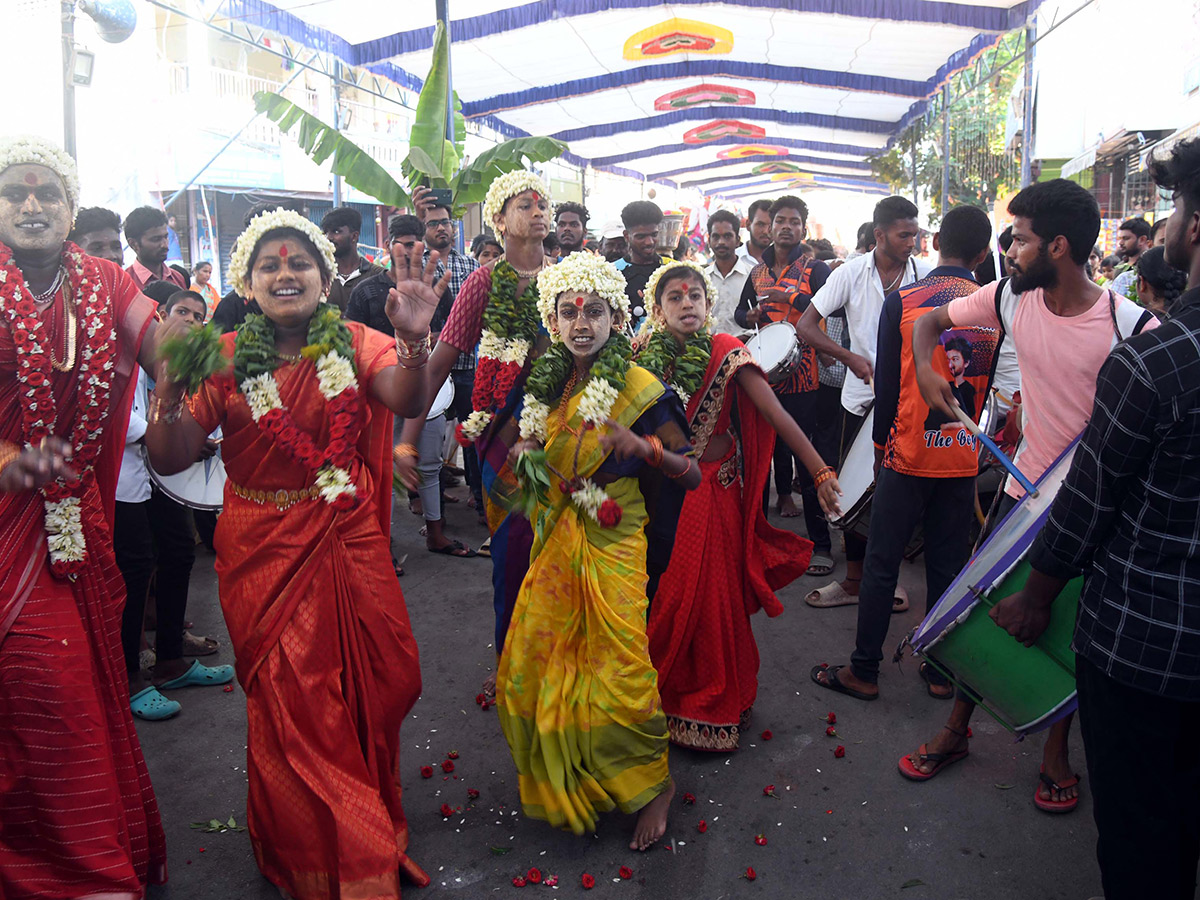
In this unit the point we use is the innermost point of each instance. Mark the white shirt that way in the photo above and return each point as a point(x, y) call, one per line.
point(855, 287)
point(133, 484)
point(729, 293)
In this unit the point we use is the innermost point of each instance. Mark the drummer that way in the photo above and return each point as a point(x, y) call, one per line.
point(925, 466)
point(1063, 327)
point(859, 288)
point(367, 305)
point(780, 289)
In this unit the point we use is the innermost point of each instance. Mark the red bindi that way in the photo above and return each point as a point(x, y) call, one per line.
point(283, 251)
point(579, 302)
point(536, 196)
point(30, 178)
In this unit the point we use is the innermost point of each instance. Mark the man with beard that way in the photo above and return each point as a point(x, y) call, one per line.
point(78, 816)
point(97, 232)
point(570, 224)
point(758, 223)
point(642, 220)
point(858, 288)
point(342, 225)
point(146, 232)
point(1126, 518)
point(1134, 237)
point(1063, 326)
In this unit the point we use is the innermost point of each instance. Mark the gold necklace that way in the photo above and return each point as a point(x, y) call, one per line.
point(68, 363)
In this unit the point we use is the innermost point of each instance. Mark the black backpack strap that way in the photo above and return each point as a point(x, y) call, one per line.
point(1141, 323)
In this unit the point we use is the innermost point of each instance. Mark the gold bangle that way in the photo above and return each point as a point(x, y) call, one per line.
point(404, 451)
point(8, 455)
point(167, 412)
point(410, 350)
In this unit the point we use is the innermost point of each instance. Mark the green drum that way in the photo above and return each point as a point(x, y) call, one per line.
point(1024, 688)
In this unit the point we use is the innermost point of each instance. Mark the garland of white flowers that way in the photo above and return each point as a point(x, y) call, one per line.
point(243, 248)
point(504, 188)
point(31, 150)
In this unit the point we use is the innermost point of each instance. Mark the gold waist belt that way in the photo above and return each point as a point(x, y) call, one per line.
point(280, 498)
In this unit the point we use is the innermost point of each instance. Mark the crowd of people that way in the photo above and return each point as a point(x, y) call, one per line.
point(618, 417)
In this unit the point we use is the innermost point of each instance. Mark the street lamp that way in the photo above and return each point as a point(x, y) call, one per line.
point(115, 20)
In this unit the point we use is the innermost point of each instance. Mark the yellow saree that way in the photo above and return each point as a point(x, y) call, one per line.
point(576, 691)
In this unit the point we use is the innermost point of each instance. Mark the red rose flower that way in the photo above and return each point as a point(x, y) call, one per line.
point(461, 439)
point(35, 379)
point(769, 791)
point(480, 699)
point(750, 874)
point(485, 706)
point(831, 718)
point(702, 826)
point(447, 766)
point(766, 735)
point(453, 754)
point(689, 798)
point(472, 794)
point(25, 308)
point(518, 881)
point(839, 751)
point(533, 876)
point(831, 731)
point(625, 872)
point(228, 689)
point(447, 810)
point(426, 771)
point(609, 514)
point(587, 881)
point(760, 840)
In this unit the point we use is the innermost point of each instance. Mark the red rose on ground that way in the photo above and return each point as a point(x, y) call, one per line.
point(625, 872)
point(760, 840)
point(447, 766)
point(689, 798)
point(518, 881)
point(702, 826)
point(766, 735)
point(426, 771)
point(447, 810)
point(480, 699)
point(551, 880)
point(228, 689)
point(609, 514)
point(453, 754)
point(769, 791)
point(831, 731)
point(587, 881)
point(750, 874)
point(533, 876)
point(485, 706)
point(831, 718)
point(472, 794)
point(839, 751)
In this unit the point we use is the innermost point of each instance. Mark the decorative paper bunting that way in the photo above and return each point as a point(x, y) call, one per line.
point(720, 128)
point(705, 93)
point(678, 36)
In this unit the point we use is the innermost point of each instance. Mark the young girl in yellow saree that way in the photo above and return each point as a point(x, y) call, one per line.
point(576, 691)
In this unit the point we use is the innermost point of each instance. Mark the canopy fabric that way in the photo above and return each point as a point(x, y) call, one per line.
point(721, 96)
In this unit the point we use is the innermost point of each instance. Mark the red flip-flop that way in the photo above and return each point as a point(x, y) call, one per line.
point(1051, 805)
point(940, 761)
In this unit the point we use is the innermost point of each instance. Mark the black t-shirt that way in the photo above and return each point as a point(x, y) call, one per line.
point(232, 311)
point(636, 276)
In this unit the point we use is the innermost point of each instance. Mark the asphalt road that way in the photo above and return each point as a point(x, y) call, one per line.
point(840, 828)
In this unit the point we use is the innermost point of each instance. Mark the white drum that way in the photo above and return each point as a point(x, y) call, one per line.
point(200, 486)
point(857, 480)
point(776, 349)
point(441, 403)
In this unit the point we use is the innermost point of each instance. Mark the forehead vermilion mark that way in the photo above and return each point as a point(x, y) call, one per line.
point(536, 197)
point(31, 178)
point(579, 301)
point(283, 251)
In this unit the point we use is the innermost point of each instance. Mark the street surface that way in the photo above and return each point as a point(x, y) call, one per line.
point(842, 829)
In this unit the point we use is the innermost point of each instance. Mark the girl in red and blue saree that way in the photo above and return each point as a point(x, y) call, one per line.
point(576, 692)
point(727, 561)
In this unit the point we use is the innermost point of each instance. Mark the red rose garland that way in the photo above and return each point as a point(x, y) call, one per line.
point(39, 414)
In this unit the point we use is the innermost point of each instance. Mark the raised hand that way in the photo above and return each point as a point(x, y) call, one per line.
point(412, 302)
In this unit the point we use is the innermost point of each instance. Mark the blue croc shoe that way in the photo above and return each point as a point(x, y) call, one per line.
point(152, 706)
point(199, 675)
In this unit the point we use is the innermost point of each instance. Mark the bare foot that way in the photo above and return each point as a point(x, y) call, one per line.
point(946, 741)
point(847, 678)
point(786, 507)
point(652, 820)
point(489, 687)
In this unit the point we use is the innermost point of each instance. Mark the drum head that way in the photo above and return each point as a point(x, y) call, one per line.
point(199, 486)
point(441, 403)
point(772, 344)
point(858, 472)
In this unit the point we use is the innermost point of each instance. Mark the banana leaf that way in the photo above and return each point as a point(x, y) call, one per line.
point(428, 132)
point(473, 180)
point(321, 141)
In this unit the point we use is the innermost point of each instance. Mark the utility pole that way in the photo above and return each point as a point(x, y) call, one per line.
point(945, 148)
point(1027, 142)
point(337, 123)
point(68, 66)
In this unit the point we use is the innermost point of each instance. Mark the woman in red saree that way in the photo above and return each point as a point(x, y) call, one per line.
point(324, 649)
point(78, 816)
point(727, 561)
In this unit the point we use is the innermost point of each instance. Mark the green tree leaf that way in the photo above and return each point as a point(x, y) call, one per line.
point(473, 180)
point(322, 142)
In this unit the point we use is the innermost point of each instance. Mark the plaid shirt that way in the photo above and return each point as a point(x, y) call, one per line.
point(460, 267)
point(1128, 514)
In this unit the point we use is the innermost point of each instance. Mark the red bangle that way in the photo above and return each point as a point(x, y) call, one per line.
point(684, 472)
point(656, 451)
